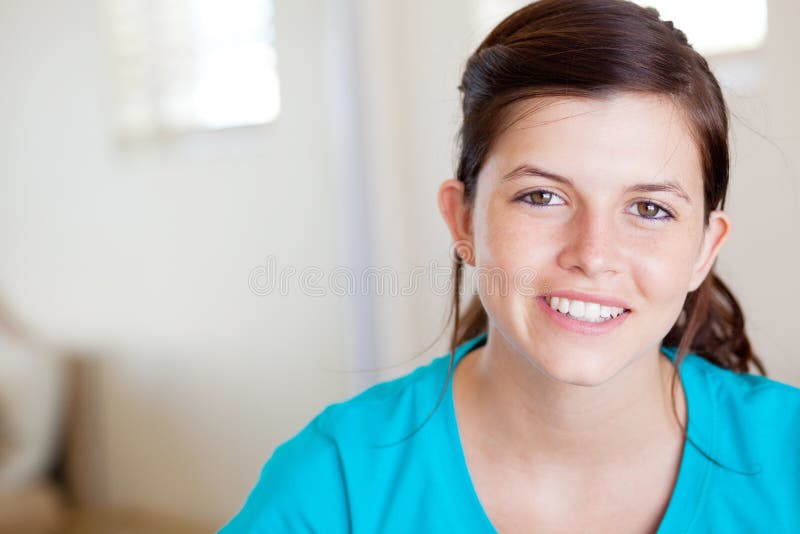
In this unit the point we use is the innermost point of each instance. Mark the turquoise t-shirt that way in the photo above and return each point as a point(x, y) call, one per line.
point(334, 477)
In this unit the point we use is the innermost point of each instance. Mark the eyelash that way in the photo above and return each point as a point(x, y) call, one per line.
point(669, 215)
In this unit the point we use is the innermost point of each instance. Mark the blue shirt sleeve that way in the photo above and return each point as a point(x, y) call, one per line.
point(301, 489)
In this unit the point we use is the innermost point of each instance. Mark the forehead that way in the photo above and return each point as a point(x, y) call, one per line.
point(623, 138)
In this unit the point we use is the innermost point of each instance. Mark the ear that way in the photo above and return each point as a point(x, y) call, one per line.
point(457, 214)
point(715, 234)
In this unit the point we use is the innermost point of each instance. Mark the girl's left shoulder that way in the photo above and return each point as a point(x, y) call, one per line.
point(753, 392)
point(758, 411)
point(749, 429)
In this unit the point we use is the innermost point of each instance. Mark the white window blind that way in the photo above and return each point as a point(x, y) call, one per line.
point(716, 27)
point(712, 26)
point(189, 65)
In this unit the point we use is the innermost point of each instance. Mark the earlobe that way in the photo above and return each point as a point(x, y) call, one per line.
point(457, 215)
point(714, 236)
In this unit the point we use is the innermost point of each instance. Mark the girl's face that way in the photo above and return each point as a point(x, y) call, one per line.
point(598, 200)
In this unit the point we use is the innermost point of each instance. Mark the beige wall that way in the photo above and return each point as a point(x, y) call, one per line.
point(762, 256)
point(143, 257)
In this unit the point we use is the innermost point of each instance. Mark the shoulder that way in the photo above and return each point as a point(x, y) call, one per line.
point(299, 488)
point(748, 394)
point(754, 416)
point(749, 430)
point(305, 481)
point(389, 409)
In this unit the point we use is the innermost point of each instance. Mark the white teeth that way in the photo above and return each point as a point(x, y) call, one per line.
point(585, 311)
point(576, 308)
point(592, 310)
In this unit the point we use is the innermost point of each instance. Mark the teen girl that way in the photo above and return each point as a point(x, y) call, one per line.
point(598, 381)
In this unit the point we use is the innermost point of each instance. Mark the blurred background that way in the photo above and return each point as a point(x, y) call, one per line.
point(190, 189)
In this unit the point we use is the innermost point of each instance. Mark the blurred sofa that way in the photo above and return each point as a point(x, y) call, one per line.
point(52, 473)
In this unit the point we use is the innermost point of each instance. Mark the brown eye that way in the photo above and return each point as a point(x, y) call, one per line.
point(540, 197)
point(650, 211)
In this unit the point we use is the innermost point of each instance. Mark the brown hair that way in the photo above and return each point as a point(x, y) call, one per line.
point(596, 49)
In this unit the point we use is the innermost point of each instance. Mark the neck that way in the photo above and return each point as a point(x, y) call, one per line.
point(541, 419)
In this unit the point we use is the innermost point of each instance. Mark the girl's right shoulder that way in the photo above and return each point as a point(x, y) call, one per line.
point(303, 484)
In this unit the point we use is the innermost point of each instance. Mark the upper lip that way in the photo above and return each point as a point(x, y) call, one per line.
point(603, 300)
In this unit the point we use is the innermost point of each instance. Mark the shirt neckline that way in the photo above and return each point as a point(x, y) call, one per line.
point(694, 469)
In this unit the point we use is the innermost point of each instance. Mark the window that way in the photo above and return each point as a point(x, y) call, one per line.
point(716, 26)
point(189, 65)
point(712, 26)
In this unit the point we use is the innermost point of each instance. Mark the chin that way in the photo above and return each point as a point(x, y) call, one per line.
point(579, 368)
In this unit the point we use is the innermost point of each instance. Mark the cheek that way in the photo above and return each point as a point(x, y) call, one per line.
point(663, 263)
point(506, 239)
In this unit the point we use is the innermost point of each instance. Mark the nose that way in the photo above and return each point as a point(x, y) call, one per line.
point(589, 244)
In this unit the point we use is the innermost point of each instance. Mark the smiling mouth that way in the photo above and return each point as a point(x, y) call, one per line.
point(583, 311)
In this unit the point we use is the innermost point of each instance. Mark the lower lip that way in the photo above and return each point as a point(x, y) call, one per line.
point(581, 327)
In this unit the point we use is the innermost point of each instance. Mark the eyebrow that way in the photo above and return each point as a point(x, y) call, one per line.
point(530, 170)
